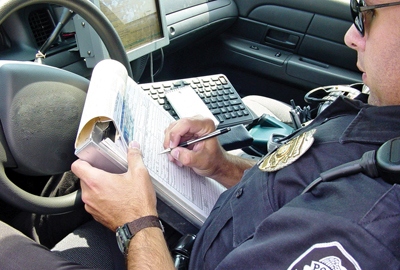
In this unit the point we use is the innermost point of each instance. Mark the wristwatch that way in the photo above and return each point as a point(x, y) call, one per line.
point(126, 232)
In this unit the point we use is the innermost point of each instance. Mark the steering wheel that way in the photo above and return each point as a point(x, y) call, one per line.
point(40, 110)
point(327, 93)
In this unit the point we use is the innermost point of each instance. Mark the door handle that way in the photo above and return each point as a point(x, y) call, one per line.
point(282, 39)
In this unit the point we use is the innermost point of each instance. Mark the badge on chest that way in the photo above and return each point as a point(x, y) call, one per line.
point(287, 153)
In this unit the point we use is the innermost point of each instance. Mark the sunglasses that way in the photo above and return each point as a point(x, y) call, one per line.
point(358, 9)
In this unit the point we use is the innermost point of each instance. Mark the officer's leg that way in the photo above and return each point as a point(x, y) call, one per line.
point(20, 252)
point(92, 245)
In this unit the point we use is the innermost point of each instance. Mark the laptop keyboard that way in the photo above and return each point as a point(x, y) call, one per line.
point(216, 92)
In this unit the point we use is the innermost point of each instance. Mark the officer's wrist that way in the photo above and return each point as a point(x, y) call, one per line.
point(126, 232)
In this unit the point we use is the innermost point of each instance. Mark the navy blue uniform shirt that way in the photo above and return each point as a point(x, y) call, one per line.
point(263, 223)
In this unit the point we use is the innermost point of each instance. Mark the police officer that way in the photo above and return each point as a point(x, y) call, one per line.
point(264, 220)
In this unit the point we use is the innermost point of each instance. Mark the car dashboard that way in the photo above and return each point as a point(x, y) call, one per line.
point(25, 31)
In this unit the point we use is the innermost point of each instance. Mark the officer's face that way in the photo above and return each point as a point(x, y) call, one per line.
point(379, 52)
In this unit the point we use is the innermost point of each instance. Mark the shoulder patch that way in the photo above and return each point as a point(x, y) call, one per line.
point(328, 256)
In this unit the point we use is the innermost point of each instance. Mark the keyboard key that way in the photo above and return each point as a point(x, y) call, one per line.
point(216, 111)
point(156, 86)
point(223, 80)
point(236, 102)
point(220, 118)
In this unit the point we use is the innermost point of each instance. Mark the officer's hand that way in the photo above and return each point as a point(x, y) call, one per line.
point(114, 199)
point(203, 157)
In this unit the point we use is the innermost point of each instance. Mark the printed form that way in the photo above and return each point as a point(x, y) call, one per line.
point(148, 129)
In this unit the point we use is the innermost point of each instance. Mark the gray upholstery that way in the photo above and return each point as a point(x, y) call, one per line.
point(260, 105)
point(91, 245)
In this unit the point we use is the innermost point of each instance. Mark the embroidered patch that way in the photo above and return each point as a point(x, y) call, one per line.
point(329, 256)
point(287, 153)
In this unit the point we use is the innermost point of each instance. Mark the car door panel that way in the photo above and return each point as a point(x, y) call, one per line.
point(335, 8)
point(283, 17)
point(300, 43)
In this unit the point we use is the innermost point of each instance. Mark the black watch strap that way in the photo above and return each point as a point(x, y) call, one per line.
point(125, 233)
point(142, 223)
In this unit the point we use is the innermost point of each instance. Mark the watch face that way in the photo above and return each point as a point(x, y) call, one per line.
point(122, 240)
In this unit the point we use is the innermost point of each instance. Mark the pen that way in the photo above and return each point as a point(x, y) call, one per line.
point(208, 136)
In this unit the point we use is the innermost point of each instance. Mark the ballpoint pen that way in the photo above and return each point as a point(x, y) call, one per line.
point(208, 136)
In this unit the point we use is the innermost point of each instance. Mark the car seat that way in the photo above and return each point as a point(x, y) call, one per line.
point(260, 105)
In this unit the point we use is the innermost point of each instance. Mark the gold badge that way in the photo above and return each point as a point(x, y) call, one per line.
point(287, 153)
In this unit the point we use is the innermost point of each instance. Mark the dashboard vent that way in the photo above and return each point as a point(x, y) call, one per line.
point(41, 24)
